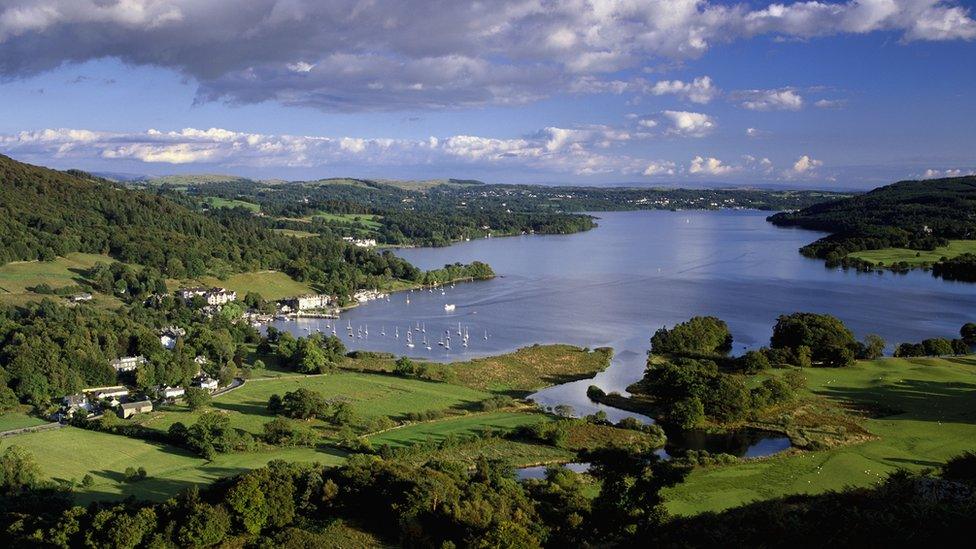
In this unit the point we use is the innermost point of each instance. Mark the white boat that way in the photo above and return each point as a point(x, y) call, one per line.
point(449, 307)
point(459, 329)
point(486, 335)
point(398, 332)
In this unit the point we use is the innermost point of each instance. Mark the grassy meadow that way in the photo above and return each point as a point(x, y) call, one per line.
point(370, 395)
point(15, 419)
point(889, 256)
point(17, 277)
point(270, 284)
point(519, 373)
point(71, 453)
point(218, 202)
point(920, 411)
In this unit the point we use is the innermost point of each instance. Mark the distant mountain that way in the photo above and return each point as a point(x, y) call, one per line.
point(195, 179)
point(427, 184)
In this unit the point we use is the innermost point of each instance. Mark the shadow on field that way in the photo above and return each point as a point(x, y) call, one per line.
point(913, 399)
point(253, 408)
point(921, 462)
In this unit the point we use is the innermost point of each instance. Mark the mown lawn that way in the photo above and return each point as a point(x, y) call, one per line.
point(371, 395)
point(889, 256)
point(71, 453)
point(922, 411)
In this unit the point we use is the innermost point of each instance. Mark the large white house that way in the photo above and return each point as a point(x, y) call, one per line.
point(214, 296)
point(168, 337)
point(128, 363)
point(309, 302)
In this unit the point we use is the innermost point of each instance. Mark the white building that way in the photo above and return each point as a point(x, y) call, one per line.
point(213, 296)
point(172, 392)
point(168, 337)
point(127, 363)
point(130, 409)
point(360, 242)
point(205, 382)
point(107, 393)
point(308, 302)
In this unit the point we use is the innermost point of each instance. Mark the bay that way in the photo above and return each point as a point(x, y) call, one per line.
point(614, 285)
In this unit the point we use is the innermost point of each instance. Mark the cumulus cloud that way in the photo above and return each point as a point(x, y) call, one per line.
point(755, 132)
point(660, 167)
point(805, 167)
point(949, 172)
point(349, 55)
point(689, 124)
point(784, 99)
point(585, 150)
point(709, 166)
point(699, 90)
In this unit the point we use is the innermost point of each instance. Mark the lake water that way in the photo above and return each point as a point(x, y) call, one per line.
point(613, 286)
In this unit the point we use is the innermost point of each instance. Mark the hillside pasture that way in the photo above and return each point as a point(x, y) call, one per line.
point(890, 256)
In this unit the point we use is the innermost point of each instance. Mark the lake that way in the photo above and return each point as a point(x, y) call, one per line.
point(614, 285)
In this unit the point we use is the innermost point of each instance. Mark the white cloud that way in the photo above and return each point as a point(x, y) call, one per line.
point(804, 167)
point(784, 99)
point(351, 55)
point(689, 124)
point(949, 172)
point(829, 103)
point(584, 150)
point(755, 132)
point(709, 166)
point(699, 90)
point(660, 167)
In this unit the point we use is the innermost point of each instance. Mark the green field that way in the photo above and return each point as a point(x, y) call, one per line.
point(889, 256)
point(217, 202)
point(367, 221)
point(461, 425)
point(17, 277)
point(370, 395)
point(517, 374)
point(270, 284)
point(71, 453)
point(18, 420)
point(292, 232)
point(924, 411)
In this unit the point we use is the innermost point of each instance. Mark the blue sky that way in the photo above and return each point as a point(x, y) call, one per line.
point(678, 92)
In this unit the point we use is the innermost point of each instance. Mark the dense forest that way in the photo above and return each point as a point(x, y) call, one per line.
point(46, 213)
point(440, 505)
point(919, 215)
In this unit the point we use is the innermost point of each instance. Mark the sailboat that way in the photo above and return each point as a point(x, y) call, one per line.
point(459, 329)
point(409, 340)
point(398, 332)
point(383, 331)
point(366, 330)
point(423, 327)
point(486, 335)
